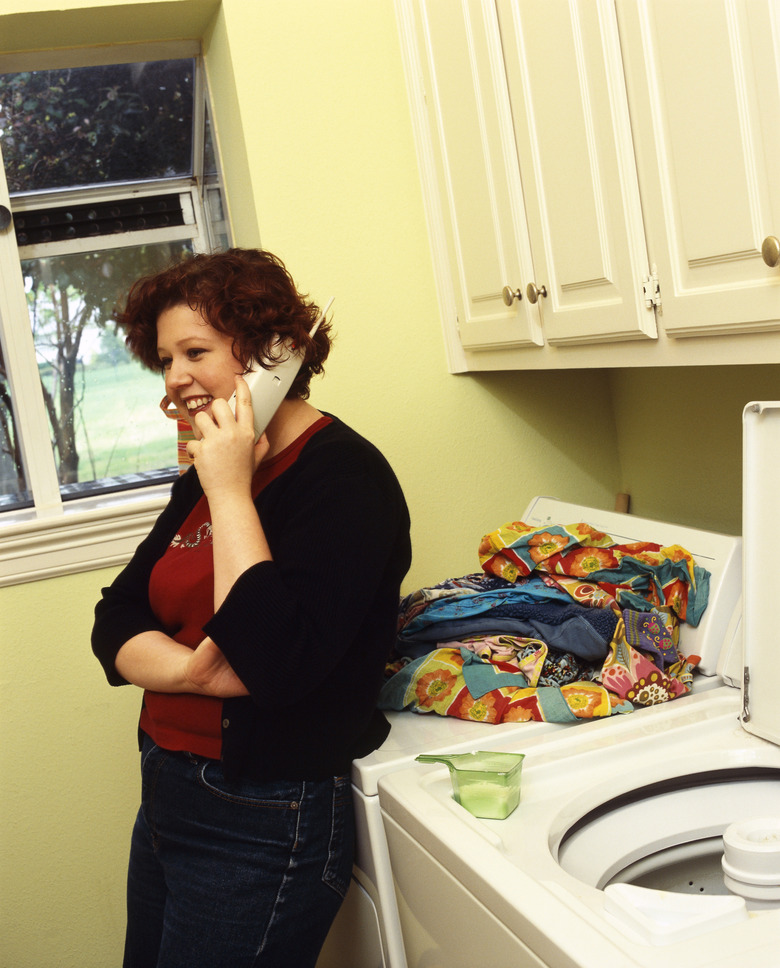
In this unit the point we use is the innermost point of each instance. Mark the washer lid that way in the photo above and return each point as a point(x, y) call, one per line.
point(761, 585)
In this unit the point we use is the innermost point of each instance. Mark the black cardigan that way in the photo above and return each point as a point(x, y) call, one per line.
point(307, 633)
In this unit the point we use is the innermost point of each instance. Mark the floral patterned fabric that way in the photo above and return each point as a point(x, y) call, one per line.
point(563, 624)
point(440, 683)
point(634, 573)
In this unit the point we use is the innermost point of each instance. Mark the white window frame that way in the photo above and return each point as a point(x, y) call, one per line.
point(57, 537)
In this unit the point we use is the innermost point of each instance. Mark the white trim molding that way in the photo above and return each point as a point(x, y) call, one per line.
point(86, 537)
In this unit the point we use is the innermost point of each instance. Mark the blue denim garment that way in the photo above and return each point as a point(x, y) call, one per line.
point(234, 873)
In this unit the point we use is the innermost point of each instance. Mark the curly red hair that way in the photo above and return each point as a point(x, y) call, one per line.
point(246, 294)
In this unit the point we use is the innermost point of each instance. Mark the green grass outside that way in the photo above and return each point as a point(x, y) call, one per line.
point(125, 431)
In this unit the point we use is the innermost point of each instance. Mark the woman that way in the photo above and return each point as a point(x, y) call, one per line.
point(257, 616)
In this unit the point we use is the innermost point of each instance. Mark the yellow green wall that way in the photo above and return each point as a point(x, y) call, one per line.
point(317, 148)
point(69, 783)
point(679, 437)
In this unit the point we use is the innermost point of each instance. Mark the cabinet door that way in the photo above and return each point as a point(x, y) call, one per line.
point(474, 195)
point(704, 87)
point(574, 143)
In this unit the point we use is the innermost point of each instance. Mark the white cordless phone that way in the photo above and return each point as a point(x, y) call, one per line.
point(269, 387)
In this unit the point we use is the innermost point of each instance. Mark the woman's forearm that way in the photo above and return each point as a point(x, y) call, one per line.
point(239, 542)
point(226, 457)
point(153, 660)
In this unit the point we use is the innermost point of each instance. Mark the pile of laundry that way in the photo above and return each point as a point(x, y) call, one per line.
point(561, 624)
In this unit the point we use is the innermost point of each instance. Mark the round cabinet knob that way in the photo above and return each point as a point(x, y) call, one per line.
point(534, 292)
point(770, 251)
point(509, 295)
point(5, 218)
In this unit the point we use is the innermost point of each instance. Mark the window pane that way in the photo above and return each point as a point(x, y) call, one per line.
point(13, 483)
point(103, 405)
point(92, 125)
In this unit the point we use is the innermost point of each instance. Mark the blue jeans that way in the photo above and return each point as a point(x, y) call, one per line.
point(234, 874)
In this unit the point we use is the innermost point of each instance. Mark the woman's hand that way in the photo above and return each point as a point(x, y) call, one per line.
point(210, 674)
point(226, 455)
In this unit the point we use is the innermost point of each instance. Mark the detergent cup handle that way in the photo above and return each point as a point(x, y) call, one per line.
point(432, 758)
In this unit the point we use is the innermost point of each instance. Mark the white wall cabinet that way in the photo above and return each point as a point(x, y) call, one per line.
point(570, 124)
point(568, 148)
point(471, 179)
point(704, 83)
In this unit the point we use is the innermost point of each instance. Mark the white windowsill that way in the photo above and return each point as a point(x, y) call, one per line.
point(92, 533)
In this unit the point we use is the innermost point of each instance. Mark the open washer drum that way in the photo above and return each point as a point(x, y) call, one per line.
point(646, 839)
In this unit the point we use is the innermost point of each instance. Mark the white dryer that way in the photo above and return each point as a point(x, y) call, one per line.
point(615, 854)
point(368, 931)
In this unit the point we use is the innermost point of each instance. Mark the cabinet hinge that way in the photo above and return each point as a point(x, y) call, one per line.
point(746, 695)
point(651, 290)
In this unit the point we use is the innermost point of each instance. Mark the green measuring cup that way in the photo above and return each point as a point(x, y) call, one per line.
point(486, 784)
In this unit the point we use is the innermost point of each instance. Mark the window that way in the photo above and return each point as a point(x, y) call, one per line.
point(109, 172)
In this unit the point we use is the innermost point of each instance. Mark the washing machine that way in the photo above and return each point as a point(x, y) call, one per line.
point(648, 839)
point(368, 932)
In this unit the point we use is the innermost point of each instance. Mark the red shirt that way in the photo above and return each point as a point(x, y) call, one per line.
point(181, 593)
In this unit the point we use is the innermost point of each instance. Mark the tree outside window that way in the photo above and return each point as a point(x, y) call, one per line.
point(83, 126)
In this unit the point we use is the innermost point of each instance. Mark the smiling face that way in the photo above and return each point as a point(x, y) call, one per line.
point(196, 359)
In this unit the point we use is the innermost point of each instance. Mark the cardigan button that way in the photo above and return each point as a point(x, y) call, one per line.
point(225, 723)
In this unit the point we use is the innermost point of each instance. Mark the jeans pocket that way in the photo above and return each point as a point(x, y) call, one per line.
point(341, 847)
point(277, 794)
